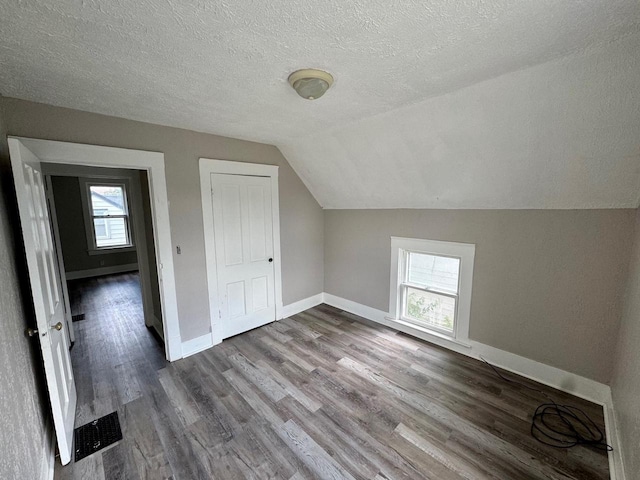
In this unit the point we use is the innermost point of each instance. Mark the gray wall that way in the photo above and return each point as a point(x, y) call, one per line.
point(73, 237)
point(301, 218)
point(23, 406)
point(625, 386)
point(547, 284)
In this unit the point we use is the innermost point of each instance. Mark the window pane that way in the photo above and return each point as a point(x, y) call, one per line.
point(430, 309)
point(107, 200)
point(114, 230)
point(432, 271)
point(100, 228)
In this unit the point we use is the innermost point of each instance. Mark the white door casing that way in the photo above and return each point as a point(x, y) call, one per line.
point(44, 277)
point(242, 232)
point(243, 225)
point(51, 151)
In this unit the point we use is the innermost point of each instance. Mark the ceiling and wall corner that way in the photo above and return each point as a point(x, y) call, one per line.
point(561, 135)
point(489, 104)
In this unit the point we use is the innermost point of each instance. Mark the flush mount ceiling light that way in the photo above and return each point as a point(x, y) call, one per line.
point(310, 83)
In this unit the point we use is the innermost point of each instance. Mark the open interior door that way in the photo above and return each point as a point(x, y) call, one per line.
point(58, 249)
point(45, 284)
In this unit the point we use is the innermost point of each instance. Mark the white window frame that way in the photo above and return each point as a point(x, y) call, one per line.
point(465, 252)
point(87, 209)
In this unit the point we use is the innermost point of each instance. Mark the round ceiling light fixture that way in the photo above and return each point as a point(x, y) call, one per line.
point(310, 83)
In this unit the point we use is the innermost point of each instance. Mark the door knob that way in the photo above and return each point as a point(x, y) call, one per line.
point(270, 260)
point(32, 332)
point(57, 326)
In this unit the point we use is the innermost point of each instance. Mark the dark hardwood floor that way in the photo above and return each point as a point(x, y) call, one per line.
point(113, 346)
point(322, 394)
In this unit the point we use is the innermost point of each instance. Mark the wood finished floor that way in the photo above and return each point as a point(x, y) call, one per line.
point(322, 394)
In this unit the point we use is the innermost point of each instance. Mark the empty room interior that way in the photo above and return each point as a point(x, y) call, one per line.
point(343, 240)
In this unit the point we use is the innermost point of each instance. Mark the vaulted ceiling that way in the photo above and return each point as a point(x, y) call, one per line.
point(440, 104)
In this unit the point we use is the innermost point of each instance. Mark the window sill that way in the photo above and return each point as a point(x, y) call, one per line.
point(108, 250)
point(426, 331)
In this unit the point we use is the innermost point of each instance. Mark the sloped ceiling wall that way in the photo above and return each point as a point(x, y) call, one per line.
point(564, 134)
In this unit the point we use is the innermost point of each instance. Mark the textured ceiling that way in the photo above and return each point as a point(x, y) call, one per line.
point(416, 118)
point(564, 134)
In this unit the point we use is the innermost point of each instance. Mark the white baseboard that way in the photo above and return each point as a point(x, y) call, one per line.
point(196, 345)
point(577, 385)
point(551, 376)
point(301, 305)
point(616, 463)
point(554, 377)
point(48, 464)
point(96, 272)
point(191, 347)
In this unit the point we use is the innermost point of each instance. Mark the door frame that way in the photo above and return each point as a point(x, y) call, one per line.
point(209, 166)
point(51, 151)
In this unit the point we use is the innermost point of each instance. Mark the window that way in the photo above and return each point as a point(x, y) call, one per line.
point(107, 216)
point(430, 290)
point(431, 285)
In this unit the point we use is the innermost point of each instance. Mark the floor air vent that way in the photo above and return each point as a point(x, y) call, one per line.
point(96, 435)
point(77, 318)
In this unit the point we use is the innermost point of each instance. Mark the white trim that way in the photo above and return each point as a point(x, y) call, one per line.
point(48, 463)
point(196, 345)
point(577, 385)
point(554, 377)
point(110, 250)
point(301, 305)
point(153, 162)
point(207, 167)
point(616, 463)
point(463, 251)
point(199, 344)
point(97, 272)
point(427, 334)
point(229, 167)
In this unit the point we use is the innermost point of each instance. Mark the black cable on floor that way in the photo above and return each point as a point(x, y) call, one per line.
point(561, 426)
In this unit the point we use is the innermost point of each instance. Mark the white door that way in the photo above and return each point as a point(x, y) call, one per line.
point(243, 229)
point(46, 291)
point(48, 186)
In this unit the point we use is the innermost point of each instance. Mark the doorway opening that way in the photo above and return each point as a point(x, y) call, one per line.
point(104, 239)
point(105, 229)
point(102, 225)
